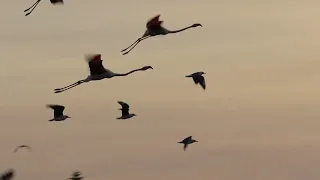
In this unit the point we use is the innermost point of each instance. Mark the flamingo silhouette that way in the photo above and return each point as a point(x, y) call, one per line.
point(154, 28)
point(98, 72)
point(54, 2)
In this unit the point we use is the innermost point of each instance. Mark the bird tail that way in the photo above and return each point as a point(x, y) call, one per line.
point(51, 120)
point(189, 76)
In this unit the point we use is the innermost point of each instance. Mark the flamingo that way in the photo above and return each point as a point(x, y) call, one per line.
point(187, 141)
point(22, 146)
point(57, 112)
point(54, 2)
point(198, 78)
point(98, 72)
point(154, 28)
point(8, 175)
point(125, 111)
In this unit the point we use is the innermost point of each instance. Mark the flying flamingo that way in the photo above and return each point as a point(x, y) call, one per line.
point(98, 72)
point(54, 2)
point(154, 28)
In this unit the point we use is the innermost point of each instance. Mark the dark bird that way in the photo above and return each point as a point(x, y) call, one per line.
point(125, 111)
point(31, 8)
point(154, 28)
point(187, 141)
point(98, 72)
point(76, 176)
point(198, 79)
point(7, 175)
point(58, 112)
point(22, 146)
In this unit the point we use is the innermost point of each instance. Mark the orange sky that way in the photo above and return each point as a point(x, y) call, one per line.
point(258, 118)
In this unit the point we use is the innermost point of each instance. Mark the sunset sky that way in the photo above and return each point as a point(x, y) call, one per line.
point(258, 119)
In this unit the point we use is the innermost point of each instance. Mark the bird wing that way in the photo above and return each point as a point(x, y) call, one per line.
point(16, 149)
point(124, 112)
point(58, 109)
point(56, 1)
point(195, 80)
point(154, 23)
point(22, 146)
point(124, 105)
point(26, 146)
point(8, 175)
point(185, 146)
point(202, 82)
point(187, 139)
point(95, 64)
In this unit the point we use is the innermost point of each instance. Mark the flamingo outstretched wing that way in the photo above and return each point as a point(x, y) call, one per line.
point(154, 23)
point(95, 65)
point(56, 2)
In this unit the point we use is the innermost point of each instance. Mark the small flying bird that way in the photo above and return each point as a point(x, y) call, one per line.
point(198, 79)
point(76, 176)
point(98, 72)
point(22, 146)
point(125, 111)
point(54, 2)
point(154, 28)
point(8, 175)
point(187, 141)
point(58, 112)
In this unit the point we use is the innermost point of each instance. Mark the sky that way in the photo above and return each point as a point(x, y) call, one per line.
point(257, 119)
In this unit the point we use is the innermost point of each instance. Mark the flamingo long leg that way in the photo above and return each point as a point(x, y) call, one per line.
point(58, 90)
point(137, 41)
point(67, 86)
point(34, 6)
point(134, 45)
point(61, 90)
point(31, 11)
point(36, 3)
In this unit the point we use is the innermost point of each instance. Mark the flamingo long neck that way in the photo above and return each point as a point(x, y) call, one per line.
point(179, 30)
point(125, 74)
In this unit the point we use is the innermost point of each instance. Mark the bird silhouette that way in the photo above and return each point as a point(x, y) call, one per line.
point(31, 8)
point(98, 72)
point(198, 79)
point(125, 111)
point(57, 112)
point(7, 175)
point(22, 146)
point(76, 176)
point(154, 28)
point(187, 141)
